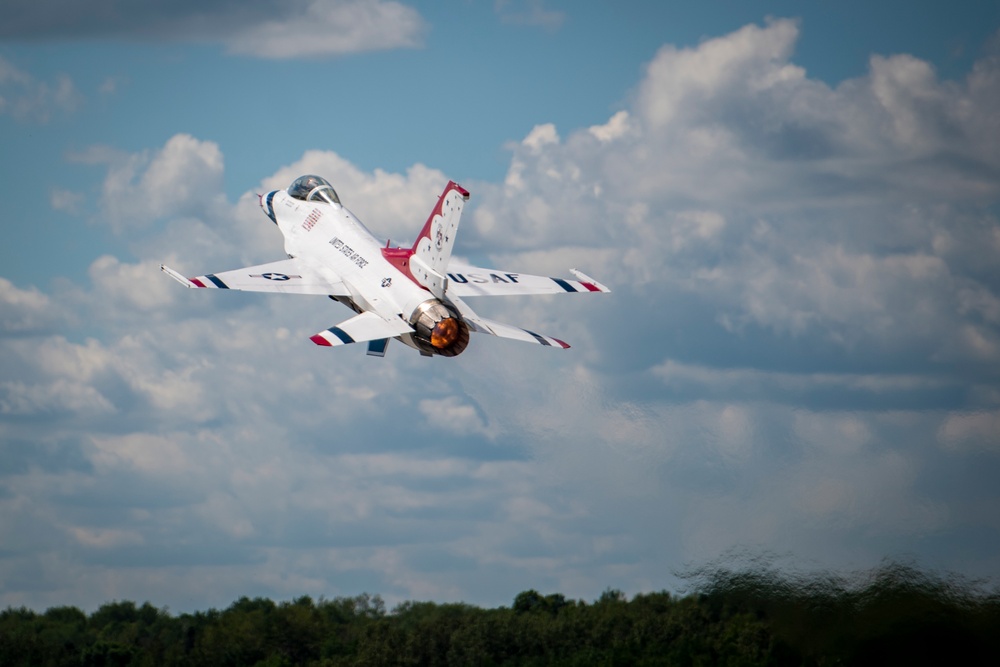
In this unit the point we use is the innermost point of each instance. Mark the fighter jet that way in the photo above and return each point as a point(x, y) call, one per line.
point(414, 295)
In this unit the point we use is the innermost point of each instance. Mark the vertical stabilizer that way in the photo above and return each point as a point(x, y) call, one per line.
point(432, 249)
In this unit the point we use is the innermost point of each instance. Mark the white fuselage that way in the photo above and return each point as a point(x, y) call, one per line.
point(333, 242)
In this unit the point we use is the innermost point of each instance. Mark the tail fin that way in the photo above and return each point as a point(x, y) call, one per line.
point(432, 249)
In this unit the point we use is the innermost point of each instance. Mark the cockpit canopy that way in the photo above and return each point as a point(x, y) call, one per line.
point(313, 188)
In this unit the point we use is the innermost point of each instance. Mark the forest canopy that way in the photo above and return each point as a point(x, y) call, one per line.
point(758, 616)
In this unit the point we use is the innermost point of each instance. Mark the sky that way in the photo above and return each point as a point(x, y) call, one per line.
point(795, 205)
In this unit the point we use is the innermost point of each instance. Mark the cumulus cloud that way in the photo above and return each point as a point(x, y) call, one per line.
point(185, 176)
point(262, 28)
point(971, 431)
point(144, 452)
point(24, 310)
point(616, 127)
point(129, 285)
point(451, 414)
point(854, 213)
point(59, 396)
point(799, 352)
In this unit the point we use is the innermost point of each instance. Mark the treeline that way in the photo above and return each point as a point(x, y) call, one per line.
point(893, 615)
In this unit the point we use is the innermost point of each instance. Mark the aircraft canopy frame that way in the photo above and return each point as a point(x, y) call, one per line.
point(313, 188)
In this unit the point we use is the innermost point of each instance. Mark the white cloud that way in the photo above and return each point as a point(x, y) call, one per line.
point(776, 200)
point(803, 330)
point(185, 176)
point(24, 310)
point(143, 452)
point(227, 514)
point(57, 357)
point(131, 285)
point(681, 83)
point(836, 432)
point(452, 415)
point(61, 395)
point(971, 431)
point(318, 28)
point(541, 136)
point(616, 127)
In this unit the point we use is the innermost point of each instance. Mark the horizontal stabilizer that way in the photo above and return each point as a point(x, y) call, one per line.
point(362, 328)
point(501, 330)
point(483, 325)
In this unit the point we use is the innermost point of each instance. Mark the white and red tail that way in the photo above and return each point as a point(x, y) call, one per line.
point(432, 249)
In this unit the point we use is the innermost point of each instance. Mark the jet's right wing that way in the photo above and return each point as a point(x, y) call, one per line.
point(286, 276)
point(466, 281)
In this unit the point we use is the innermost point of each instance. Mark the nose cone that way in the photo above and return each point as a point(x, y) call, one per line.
point(265, 204)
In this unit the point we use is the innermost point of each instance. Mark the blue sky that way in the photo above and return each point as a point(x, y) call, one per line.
point(795, 205)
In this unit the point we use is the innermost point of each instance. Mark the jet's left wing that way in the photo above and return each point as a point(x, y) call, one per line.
point(466, 281)
point(286, 276)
